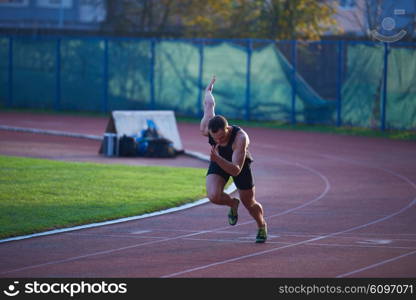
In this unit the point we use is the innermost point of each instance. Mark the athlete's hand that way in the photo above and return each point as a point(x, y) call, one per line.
point(215, 155)
point(211, 84)
point(209, 98)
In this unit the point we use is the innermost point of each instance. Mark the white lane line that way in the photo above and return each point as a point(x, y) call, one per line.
point(327, 188)
point(238, 258)
point(309, 244)
point(52, 132)
point(376, 264)
point(362, 246)
point(413, 202)
point(376, 221)
point(374, 242)
point(229, 190)
point(140, 231)
point(232, 241)
point(123, 236)
point(195, 154)
point(394, 174)
point(357, 235)
point(95, 254)
point(288, 246)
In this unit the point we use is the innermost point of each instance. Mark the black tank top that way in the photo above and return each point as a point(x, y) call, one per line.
point(227, 150)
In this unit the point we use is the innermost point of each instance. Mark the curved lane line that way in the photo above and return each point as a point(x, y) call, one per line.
point(194, 154)
point(327, 188)
point(413, 202)
point(270, 250)
point(376, 264)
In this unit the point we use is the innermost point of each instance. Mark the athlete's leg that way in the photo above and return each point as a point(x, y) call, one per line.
point(215, 191)
point(254, 208)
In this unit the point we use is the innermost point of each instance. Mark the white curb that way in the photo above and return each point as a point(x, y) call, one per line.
point(194, 154)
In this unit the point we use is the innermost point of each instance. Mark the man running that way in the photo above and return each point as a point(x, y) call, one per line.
point(230, 157)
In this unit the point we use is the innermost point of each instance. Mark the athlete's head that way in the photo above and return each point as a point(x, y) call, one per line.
point(218, 129)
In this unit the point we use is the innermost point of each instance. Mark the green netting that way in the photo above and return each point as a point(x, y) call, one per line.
point(310, 107)
point(34, 73)
point(362, 87)
point(271, 91)
point(317, 64)
point(229, 63)
point(176, 77)
point(126, 84)
point(129, 74)
point(82, 86)
point(401, 87)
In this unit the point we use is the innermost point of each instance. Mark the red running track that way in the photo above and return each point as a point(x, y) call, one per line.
point(336, 206)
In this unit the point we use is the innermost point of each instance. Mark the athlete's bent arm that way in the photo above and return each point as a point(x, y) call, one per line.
point(209, 108)
point(235, 166)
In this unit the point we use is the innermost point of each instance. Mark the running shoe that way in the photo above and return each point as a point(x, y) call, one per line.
point(261, 234)
point(233, 214)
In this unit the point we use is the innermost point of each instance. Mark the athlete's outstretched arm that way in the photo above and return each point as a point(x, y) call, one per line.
point(209, 108)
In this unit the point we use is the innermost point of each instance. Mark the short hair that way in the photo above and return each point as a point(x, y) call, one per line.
point(216, 123)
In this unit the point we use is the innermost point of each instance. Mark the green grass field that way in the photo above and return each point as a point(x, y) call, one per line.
point(38, 194)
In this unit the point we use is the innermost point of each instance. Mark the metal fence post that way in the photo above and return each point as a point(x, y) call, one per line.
point(200, 74)
point(104, 104)
point(384, 98)
point(152, 73)
point(57, 105)
point(294, 63)
point(248, 83)
point(10, 75)
point(340, 77)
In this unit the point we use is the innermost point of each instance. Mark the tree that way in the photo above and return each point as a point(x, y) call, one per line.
point(296, 19)
point(221, 18)
point(270, 19)
point(143, 17)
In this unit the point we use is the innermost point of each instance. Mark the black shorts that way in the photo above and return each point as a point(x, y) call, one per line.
point(243, 181)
